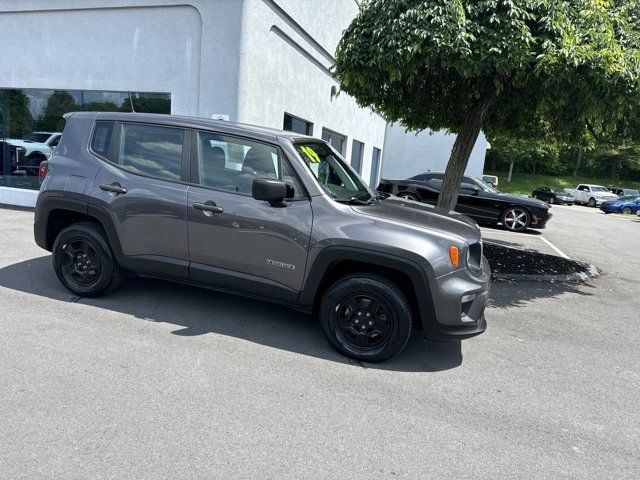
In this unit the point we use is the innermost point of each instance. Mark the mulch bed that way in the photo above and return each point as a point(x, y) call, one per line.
point(512, 261)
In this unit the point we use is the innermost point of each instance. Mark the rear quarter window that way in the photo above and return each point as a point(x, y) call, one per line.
point(101, 138)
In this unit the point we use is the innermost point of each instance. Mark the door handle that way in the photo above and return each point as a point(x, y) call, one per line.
point(113, 188)
point(208, 207)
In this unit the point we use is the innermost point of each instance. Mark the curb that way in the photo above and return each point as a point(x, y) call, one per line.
point(590, 272)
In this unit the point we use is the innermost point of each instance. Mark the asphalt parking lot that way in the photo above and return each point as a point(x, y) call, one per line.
point(158, 380)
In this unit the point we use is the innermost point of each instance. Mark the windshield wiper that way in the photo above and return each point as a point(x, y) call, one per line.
point(371, 201)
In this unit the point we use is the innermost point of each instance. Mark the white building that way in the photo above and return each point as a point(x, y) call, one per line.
point(262, 62)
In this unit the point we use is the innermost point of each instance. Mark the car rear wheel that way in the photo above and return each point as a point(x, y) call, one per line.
point(516, 219)
point(83, 260)
point(409, 196)
point(366, 317)
point(552, 200)
point(592, 202)
point(626, 211)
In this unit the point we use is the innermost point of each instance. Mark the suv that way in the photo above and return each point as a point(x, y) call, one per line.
point(259, 212)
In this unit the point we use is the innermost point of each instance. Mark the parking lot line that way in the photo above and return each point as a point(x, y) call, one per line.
point(560, 252)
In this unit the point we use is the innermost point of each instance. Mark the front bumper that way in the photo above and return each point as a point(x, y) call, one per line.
point(459, 301)
point(540, 221)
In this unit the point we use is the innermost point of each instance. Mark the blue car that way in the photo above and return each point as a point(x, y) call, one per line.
point(628, 205)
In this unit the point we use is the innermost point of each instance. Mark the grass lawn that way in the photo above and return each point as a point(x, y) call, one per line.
point(527, 183)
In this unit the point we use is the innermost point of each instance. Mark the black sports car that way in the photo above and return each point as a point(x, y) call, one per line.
point(553, 195)
point(483, 203)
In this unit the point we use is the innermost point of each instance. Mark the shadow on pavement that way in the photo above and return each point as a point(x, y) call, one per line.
point(529, 231)
point(520, 294)
point(198, 311)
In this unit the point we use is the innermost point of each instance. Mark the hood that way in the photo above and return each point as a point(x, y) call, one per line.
point(524, 200)
point(422, 215)
point(613, 196)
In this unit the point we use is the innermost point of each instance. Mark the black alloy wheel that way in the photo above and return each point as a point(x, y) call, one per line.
point(81, 263)
point(366, 317)
point(516, 219)
point(83, 260)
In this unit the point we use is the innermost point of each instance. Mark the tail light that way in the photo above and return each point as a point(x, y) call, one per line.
point(42, 172)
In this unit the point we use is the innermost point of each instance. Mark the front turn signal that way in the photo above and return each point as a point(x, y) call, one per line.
point(454, 255)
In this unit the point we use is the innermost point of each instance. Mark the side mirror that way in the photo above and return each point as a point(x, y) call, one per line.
point(476, 191)
point(270, 190)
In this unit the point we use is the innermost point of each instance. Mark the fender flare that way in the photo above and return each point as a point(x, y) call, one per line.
point(417, 269)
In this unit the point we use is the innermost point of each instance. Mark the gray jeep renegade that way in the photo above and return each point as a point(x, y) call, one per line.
point(262, 213)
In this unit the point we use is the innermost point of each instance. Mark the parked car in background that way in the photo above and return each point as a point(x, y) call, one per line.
point(490, 180)
point(36, 147)
point(625, 192)
point(483, 203)
point(592, 195)
point(257, 212)
point(553, 195)
point(626, 205)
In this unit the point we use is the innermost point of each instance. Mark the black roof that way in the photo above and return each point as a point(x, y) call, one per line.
point(261, 133)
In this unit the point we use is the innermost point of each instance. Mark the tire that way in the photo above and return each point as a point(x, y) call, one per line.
point(626, 211)
point(409, 196)
point(516, 219)
point(372, 303)
point(592, 202)
point(83, 260)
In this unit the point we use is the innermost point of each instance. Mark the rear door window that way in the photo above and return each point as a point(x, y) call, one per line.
point(151, 150)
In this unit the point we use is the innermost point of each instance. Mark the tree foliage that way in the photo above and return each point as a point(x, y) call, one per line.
point(517, 68)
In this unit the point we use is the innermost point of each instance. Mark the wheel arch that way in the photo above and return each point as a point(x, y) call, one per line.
point(336, 262)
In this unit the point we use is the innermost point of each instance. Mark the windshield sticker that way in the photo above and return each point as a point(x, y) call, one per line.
point(311, 154)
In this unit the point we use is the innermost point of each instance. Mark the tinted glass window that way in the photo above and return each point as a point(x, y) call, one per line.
point(357, 151)
point(336, 140)
point(297, 125)
point(151, 150)
point(101, 138)
point(231, 164)
point(375, 168)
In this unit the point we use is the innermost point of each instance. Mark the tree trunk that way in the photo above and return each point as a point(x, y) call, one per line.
point(510, 171)
point(461, 151)
point(579, 155)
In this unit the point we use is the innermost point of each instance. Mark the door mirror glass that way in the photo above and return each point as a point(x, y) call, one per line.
point(270, 190)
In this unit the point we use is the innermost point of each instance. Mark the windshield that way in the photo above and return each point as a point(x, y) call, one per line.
point(485, 187)
point(37, 137)
point(633, 193)
point(332, 173)
point(561, 191)
point(600, 189)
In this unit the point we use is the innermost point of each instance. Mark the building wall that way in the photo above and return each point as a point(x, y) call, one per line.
point(407, 154)
point(284, 67)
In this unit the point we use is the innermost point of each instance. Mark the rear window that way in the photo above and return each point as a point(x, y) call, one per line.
point(102, 138)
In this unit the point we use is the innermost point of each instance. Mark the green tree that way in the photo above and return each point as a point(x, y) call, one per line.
point(19, 117)
point(59, 103)
point(501, 65)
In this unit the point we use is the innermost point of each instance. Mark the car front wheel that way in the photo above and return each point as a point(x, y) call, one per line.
point(626, 211)
point(592, 202)
point(83, 260)
point(366, 317)
point(409, 196)
point(516, 219)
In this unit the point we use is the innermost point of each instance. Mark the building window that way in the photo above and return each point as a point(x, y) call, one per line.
point(31, 122)
point(357, 149)
point(375, 168)
point(335, 139)
point(297, 125)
